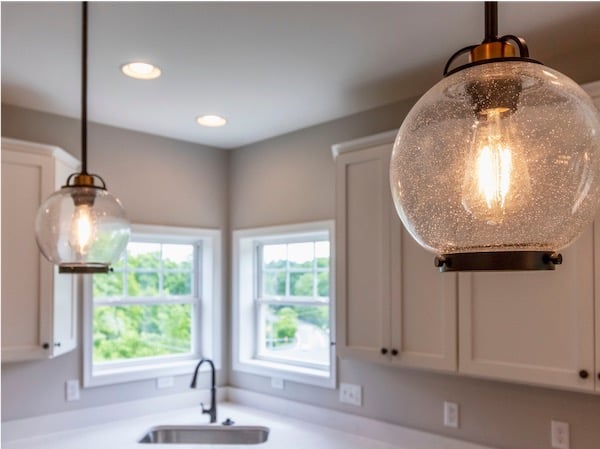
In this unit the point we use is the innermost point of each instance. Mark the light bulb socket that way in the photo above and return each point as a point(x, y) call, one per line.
point(498, 261)
point(492, 50)
point(494, 94)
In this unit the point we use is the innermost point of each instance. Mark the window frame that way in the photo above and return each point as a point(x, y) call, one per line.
point(206, 303)
point(246, 301)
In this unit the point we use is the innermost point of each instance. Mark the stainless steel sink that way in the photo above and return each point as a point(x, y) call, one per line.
point(206, 435)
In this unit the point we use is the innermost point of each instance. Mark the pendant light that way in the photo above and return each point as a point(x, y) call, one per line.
point(497, 166)
point(82, 228)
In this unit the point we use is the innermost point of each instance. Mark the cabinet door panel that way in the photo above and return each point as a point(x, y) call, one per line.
point(24, 327)
point(534, 327)
point(423, 305)
point(363, 257)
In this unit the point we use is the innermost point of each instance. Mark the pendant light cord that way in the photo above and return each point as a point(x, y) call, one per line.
point(84, 88)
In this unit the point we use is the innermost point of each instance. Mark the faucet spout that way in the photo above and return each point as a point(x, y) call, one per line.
point(212, 410)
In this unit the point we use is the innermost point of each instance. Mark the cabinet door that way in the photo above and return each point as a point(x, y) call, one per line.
point(532, 327)
point(26, 283)
point(423, 306)
point(363, 207)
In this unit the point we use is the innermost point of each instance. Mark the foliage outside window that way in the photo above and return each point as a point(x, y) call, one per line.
point(144, 308)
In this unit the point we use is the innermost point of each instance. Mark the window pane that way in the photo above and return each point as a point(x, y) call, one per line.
point(177, 257)
point(301, 284)
point(301, 255)
point(323, 283)
point(143, 255)
point(130, 332)
point(177, 284)
point(142, 284)
point(108, 285)
point(322, 254)
point(296, 333)
point(274, 256)
point(273, 283)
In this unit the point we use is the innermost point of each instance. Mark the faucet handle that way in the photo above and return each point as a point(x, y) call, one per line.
point(204, 410)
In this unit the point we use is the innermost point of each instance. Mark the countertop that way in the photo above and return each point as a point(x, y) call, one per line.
point(285, 432)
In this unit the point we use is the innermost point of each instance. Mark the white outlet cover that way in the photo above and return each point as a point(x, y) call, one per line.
point(277, 383)
point(72, 390)
point(165, 382)
point(559, 434)
point(451, 414)
point(351, 394)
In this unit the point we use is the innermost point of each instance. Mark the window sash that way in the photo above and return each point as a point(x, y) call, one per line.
point(262, 299)
point(161, 299)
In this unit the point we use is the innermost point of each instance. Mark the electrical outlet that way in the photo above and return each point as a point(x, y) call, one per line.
point(277, 383)
point(351, 394)
point(72, 390)
point(165, 382)
point(559, 432)
point(451, 414)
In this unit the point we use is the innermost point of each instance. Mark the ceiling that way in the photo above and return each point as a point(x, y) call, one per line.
point(270, 68)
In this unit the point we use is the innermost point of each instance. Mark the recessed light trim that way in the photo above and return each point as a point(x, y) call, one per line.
point(211, 120)
point(141, 70)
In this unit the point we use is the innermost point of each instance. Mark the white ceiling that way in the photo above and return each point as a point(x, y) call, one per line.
point(270, 68)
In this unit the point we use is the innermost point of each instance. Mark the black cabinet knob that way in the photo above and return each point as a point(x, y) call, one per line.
point(384, 351)
point(45, 346)
point(57, 344)
point(583, 374)
point(394, 352)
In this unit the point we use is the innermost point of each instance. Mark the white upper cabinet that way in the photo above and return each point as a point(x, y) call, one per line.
point(393, 305)
point(38, 304)
point(532, 327)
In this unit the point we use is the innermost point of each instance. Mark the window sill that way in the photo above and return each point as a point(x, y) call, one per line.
point(109, 376)
point(290, 373)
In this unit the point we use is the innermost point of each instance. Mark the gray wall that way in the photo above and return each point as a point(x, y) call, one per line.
point(160, 181)
point(291, 179)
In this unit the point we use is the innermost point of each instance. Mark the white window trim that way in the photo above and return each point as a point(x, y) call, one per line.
point(243, 331)
point(210, 316)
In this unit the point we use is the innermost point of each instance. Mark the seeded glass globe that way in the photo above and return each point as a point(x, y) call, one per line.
point(502, 156)
point(79, 226)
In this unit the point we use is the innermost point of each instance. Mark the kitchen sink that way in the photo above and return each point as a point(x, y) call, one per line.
point(206, 435)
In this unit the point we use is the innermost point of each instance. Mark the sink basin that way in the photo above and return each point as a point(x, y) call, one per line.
point(206, 435)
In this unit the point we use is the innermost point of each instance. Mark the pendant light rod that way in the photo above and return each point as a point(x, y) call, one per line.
point(491, 22)
point(84, 60)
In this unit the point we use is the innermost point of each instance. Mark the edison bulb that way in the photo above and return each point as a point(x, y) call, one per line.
point(496, 182)
point(83, 229)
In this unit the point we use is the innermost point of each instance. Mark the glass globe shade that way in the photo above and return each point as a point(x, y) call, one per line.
point(502, 156)
point(82, 226)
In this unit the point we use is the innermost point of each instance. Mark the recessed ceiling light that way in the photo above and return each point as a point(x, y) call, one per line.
point(212, 121)
point(141, 70)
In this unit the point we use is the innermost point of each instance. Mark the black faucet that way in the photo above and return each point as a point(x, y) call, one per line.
point(212, 411)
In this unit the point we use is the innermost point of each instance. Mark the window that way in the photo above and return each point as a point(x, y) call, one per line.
point(152, 314)
point(283, 302)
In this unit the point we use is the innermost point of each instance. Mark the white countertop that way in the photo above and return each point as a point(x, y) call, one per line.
point(285, 432)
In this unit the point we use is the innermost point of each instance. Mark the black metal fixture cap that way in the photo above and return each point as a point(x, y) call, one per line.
point(499, 261)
